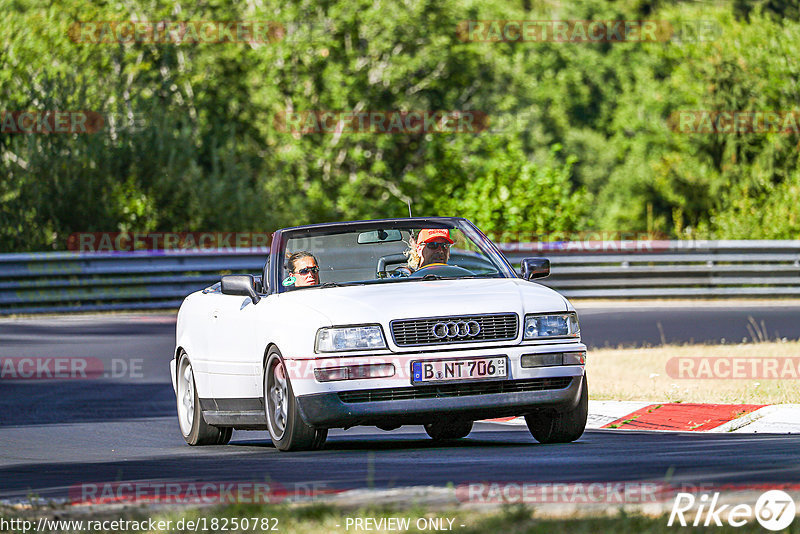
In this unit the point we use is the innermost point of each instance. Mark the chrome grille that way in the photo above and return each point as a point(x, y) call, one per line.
point(456, 390)
point(495, 327)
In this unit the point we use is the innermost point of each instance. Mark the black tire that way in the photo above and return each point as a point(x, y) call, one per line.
point(287, 430)
point(194, 429)
point(561, 427)
point(445, 429)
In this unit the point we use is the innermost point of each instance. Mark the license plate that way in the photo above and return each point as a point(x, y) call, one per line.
point(459, 369)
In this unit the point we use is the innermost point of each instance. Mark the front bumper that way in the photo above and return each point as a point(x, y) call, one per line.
point(332, 410)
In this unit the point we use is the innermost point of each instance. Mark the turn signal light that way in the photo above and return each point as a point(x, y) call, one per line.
point(552, 359)
point(354, 372)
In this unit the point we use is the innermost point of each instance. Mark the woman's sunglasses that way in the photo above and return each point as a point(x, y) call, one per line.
point(306, 270)
point(435, 245)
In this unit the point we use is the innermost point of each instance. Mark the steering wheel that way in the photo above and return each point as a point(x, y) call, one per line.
point(442, 269)
point(397, 272)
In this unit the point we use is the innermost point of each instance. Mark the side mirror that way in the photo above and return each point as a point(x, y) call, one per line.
point(534, 268)
point(240, 284)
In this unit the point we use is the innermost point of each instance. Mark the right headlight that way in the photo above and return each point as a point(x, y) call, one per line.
point(551, 325)
point(350, 338)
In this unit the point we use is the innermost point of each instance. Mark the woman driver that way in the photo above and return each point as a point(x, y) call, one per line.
point(304, 270)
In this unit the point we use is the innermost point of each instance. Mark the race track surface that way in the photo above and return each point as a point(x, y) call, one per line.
point(55, 434)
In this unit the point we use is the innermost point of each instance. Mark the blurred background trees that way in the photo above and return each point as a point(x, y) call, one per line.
point(578, 139)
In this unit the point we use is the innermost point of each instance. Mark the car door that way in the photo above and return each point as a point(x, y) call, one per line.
point(234, 360)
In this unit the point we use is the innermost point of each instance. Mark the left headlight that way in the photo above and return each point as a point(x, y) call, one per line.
point(551, 325)
point(350, 338)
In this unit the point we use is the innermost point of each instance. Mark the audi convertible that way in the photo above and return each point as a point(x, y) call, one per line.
point(415, 321)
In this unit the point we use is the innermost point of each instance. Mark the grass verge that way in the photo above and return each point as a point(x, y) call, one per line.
point(641, 374)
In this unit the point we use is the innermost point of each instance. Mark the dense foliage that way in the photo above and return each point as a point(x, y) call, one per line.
point(580, 135)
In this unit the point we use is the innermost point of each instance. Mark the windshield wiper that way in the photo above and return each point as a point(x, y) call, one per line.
point(331, 284)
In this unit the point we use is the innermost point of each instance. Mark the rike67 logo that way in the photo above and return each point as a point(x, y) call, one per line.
point(774, 510)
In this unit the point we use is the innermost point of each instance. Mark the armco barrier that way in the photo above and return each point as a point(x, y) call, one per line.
point(654, 269)
point(56, 282)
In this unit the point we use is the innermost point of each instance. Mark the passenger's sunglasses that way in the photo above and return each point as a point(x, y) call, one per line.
point(306, 270)
point(435, 245)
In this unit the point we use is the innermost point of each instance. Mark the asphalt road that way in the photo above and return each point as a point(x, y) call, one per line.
point(657, 324)
point(48, 460)
point(55, 434)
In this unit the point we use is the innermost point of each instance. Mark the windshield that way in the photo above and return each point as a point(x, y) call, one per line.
point(387, 253)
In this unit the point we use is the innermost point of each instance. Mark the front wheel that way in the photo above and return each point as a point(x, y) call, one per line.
point(287, 429)
point(561, 427)
point(194, 429)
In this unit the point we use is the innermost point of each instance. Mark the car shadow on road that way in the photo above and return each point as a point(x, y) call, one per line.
point(500, 439)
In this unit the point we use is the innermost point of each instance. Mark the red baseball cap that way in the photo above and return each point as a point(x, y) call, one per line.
point(429, 234)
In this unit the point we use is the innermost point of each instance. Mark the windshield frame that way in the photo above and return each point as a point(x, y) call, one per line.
point(282, 237)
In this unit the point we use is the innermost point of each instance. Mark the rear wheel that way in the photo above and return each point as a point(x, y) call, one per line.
point(194, 429)
point(561, 427)
point(445, 429)
point(287, 429)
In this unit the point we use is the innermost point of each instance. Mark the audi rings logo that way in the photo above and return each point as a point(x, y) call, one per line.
point(455, 329)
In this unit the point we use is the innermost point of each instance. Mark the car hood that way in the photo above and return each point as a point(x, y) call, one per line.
point(382, 303)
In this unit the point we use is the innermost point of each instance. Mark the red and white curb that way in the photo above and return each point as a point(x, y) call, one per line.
point(688, 417)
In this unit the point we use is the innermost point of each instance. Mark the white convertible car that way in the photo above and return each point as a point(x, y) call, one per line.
point(383, 323)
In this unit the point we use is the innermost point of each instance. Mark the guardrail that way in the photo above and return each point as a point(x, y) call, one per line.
point(57, 282)
point(654, 269)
